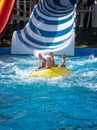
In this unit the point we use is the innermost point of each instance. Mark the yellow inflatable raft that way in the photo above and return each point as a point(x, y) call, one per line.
point(51, 73)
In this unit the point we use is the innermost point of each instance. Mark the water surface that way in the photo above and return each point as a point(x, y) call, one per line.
point(63, 103)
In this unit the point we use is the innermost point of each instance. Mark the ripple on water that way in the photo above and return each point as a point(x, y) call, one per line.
point(68, 102)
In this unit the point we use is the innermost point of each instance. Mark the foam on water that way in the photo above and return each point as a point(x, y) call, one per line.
point(17, 69)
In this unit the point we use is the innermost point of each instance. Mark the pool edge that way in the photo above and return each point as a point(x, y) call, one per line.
point(78, 51)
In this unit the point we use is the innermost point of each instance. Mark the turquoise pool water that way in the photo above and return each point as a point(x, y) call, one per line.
point(64, 103)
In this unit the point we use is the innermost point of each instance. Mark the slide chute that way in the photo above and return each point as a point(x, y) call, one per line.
point(6, 8)
point(51, 27)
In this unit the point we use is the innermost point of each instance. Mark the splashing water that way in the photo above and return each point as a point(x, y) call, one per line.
point(68, 102)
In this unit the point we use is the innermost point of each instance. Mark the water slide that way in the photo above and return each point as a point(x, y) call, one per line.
point(6, 8)
point(51, 27)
